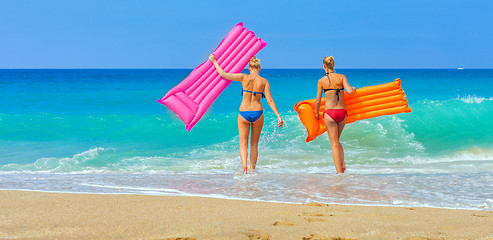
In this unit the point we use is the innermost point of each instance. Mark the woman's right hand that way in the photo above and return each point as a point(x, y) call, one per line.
point(212, 58)
point(317, 115)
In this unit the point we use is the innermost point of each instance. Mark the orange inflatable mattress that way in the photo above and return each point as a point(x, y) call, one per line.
point(364, 103)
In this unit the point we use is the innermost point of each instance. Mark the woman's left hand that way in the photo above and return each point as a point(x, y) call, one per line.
point(279, 123)
point(212, 58)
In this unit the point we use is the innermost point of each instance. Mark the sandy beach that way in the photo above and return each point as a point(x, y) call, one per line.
point(39, 215)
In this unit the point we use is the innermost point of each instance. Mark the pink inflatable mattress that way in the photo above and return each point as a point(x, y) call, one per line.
point(191, 98)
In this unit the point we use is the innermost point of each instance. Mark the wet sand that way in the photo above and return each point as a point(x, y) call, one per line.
point(38, 215)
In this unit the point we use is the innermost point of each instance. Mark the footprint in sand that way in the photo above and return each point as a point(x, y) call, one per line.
point(316, 237)
point(283, 223)
point(315, 217)
point(476, 215)
point(315, 214)
point(257, 235)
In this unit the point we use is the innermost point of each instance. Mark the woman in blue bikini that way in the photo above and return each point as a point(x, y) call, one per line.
point(251, 112)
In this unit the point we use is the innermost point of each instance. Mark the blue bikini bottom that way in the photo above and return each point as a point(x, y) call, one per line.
point(251, 116)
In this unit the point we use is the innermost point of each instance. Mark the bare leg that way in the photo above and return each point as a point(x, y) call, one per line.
point(256, 130)
point(342, 155)
point(340, 126)
point(243, 132)
point(333, 131)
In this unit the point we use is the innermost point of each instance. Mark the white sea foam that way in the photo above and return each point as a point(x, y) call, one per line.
point(467, 191)
point(474, 99)
point(145, 189)
point(408, 137)
point(488, 204)
point(90, 154)
point(475, 160)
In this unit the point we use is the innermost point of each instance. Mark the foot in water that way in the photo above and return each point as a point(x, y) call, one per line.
point(343, 167)
point(245, 169)
point(252, 168)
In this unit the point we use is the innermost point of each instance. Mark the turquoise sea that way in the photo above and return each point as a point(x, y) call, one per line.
point(102, 131)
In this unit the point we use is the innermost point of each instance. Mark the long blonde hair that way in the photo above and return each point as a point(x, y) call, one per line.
point(329, 62)
point(254, 63)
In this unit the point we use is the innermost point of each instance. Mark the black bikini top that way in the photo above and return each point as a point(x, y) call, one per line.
point(335, 89)
point(253, 92)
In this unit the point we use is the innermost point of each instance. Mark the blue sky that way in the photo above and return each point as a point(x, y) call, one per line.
point(181, 34)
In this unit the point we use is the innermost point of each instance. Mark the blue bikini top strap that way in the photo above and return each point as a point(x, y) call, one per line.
point(253, 92)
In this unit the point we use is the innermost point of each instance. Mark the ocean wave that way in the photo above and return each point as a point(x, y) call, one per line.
point(89, 160)
point(469, 155)
point(432, 134)
point(474, 160)
point(209, 160)
point(448, 125)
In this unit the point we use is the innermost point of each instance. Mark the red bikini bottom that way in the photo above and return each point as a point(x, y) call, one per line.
point(338, 115)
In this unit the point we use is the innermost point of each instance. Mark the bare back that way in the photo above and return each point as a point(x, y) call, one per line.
point(251, 101)
point(336, 82)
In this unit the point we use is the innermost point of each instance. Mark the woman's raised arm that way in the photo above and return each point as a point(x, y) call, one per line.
point(229, 76)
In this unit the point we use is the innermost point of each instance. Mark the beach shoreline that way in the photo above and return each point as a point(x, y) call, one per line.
point(42, 215)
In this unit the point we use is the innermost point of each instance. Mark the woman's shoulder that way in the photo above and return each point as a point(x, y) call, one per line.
point(340, 75)
point(243, 76)
point(261, 79)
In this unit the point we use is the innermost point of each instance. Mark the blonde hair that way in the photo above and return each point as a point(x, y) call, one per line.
point(329, 62)
point(254, 63)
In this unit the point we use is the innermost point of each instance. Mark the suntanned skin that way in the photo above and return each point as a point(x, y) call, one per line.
point(334, 129)
point(251, 82)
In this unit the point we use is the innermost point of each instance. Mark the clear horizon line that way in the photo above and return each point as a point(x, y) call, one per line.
point(244, 69)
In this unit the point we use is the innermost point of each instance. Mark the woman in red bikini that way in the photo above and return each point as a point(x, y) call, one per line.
point(333, 85)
